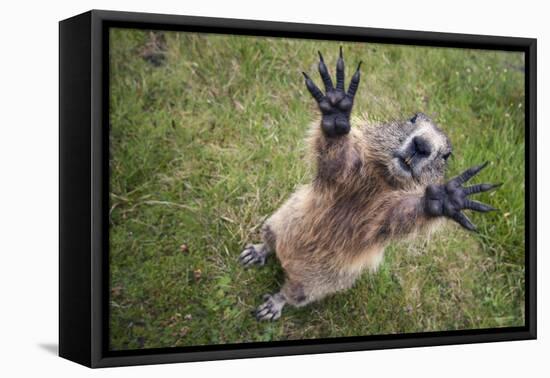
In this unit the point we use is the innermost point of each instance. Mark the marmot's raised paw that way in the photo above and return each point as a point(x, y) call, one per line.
point(335, 104)
point(451, 198)
point(272, 307)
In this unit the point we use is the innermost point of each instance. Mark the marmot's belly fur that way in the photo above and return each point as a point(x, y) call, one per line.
point(321, 243)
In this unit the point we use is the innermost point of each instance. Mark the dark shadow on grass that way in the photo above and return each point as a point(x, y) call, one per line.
point(51, 348)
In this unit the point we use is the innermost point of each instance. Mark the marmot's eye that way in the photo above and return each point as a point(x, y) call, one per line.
point(446, 156)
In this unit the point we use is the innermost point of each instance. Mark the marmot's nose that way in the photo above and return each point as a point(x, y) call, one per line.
point(421, 146)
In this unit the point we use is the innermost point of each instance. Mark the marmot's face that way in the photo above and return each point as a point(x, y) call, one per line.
point(420, 156)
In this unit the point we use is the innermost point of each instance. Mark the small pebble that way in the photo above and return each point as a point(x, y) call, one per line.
point(184, 331)
point(197, 274)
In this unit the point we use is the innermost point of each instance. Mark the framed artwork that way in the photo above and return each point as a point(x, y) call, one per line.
point(234, 188)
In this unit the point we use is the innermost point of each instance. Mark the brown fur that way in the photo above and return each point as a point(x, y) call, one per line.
point(331, 230)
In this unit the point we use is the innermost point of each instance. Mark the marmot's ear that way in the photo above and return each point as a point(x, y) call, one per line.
point(420, 117)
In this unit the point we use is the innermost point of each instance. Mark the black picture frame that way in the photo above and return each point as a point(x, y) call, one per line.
point(83, 181)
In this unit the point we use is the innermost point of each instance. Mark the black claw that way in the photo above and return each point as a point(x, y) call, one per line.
point(477, 206)
point(354, 83)
point(463, 221)
point(325, 76)
point(340, 75)
point(312, 88)
point(480, 188)
point(468, 174)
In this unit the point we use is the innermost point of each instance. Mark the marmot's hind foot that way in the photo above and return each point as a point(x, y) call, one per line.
point(271, 309)
point(253, 254)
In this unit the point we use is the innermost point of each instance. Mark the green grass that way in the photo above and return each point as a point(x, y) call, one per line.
point(207, 145)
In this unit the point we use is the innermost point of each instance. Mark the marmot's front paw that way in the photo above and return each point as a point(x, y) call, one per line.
point(451, 198)
point(336, 104)
point(272, 307)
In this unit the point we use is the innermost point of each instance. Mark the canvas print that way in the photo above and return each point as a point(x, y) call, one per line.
point(277, 189)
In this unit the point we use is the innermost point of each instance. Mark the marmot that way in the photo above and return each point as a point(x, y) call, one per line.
point(373, 184)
